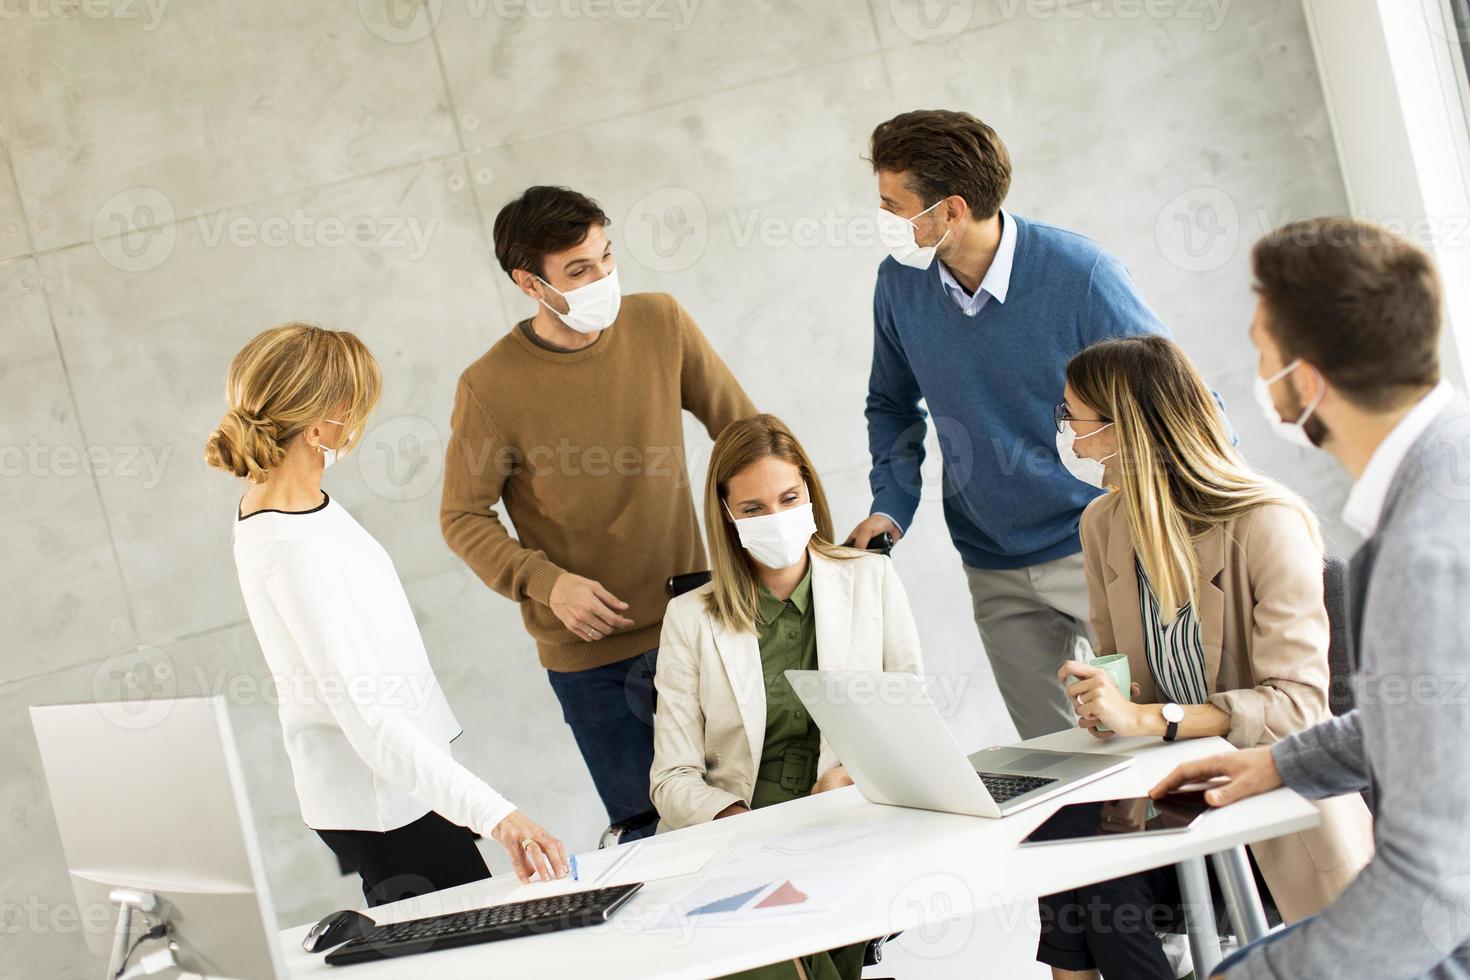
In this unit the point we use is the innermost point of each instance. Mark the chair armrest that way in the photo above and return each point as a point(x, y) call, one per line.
point(615, 832)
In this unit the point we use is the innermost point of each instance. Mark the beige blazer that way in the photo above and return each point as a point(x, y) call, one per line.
point(1265, 635)
point(710, 723)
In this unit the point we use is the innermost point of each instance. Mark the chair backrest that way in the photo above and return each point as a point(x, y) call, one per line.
point(1340, 644)
point(688, 582)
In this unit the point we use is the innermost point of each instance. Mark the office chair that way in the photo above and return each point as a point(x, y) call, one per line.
point(1340, 645)
point(677, 586)
point(1342, 659)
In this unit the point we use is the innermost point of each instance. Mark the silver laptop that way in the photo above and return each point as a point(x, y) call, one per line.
point(899, 751)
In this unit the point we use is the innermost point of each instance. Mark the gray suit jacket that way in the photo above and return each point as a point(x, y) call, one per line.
point(1408, 913)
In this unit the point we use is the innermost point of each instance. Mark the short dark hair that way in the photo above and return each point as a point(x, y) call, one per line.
point(540, 222)
point(1357, 301)
point(943, 153)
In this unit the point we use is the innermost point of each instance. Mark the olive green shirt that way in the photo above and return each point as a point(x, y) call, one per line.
point(788, 769)
point(788, 641)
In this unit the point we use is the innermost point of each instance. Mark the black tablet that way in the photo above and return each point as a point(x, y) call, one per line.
point(1136, 816)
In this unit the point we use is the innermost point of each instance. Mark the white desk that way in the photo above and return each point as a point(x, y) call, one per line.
point(946, 867)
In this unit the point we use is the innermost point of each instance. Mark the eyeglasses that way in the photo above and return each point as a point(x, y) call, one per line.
point(1062, 414)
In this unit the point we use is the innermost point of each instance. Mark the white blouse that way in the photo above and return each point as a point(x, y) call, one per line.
point(366, 725)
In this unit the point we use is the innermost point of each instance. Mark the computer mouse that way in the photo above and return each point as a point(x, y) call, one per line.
point(336, 929)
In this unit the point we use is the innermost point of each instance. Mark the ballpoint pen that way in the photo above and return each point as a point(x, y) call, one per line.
point(575, 876)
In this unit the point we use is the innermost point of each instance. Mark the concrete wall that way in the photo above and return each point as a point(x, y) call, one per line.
point(175, 177)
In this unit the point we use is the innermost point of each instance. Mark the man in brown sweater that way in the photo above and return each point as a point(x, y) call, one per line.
point(575, 421)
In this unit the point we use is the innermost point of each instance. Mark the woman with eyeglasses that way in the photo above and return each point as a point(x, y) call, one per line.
point(1208, 576)
point(366, 725)
point(730, 734)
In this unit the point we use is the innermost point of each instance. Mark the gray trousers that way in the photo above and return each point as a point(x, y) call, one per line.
point(1031, 620)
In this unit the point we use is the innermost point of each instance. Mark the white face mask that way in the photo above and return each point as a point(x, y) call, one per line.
point(592, 307)
point(1089, 471)
point(897, 232)
point(776, 540)
point(1292, 432)
point(329, 456)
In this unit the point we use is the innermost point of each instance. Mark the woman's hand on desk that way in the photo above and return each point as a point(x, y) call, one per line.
point(834, 778)
point(532, 850)
point(733, 810)
point(1249, 771)
point(1096, 700)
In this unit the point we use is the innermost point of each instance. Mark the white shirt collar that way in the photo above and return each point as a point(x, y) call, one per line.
point(997, 281)
point(1366, 498)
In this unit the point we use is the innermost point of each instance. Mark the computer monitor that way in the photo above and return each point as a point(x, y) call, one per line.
point(157, 804)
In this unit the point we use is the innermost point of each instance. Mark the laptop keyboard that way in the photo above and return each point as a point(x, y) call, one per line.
point(1004, 786)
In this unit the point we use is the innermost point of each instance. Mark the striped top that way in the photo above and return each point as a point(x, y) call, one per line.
point(1176, 655)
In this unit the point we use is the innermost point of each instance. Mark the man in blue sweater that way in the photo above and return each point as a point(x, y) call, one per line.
point(983, 337)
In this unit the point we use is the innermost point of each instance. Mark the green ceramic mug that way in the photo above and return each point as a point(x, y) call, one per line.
point(1116, 667)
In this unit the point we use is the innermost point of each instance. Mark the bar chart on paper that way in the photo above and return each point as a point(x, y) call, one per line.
point(802, 874)
point(768, 895)
point(784, 894)
point(733, 903)
point(737, 896)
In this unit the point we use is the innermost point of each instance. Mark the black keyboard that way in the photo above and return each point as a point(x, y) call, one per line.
point(485, 925)
point(1003, 786)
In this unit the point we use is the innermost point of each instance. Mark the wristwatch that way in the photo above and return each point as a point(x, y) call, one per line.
point(1173, 715)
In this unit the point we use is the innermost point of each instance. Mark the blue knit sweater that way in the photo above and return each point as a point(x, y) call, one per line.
point(991, 382)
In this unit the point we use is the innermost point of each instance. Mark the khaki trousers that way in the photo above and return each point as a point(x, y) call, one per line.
point(1032, 620)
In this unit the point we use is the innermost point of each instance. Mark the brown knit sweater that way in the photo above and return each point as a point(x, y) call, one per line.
point(586, 449)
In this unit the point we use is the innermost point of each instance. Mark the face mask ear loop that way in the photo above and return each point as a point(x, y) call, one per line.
point(1316, 402)
point(319, 447)
point(1111, 454)
point(916, 217)
point(924, 212)
point(1284, 371)
point(1089, 435)
point(542, 299)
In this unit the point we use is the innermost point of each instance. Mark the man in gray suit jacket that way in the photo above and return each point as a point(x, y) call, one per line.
point(1348, 328)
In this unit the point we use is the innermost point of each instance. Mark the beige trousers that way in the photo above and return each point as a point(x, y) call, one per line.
point(1032, 620)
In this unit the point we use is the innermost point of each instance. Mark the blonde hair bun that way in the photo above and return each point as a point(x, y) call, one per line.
point(244, 446)
point(285, 380)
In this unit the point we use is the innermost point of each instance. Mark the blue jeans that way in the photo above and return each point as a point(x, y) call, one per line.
point(610, 712)
point(1234, 958)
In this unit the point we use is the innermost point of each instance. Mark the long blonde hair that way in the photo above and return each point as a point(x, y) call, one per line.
point(1179, 475)
point(282, 382)
point(744, 442)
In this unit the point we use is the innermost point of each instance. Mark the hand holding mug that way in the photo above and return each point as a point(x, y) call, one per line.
point(1095, 691)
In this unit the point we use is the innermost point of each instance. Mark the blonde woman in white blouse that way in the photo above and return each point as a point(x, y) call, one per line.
point(366, 725)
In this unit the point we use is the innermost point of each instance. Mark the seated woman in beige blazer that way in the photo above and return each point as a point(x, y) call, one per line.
point(730, 735)
point(1208, 577)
